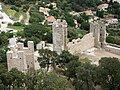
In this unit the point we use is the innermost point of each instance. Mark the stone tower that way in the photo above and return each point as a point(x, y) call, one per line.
point(59, 29)
point(21, 57)
point(99, 32)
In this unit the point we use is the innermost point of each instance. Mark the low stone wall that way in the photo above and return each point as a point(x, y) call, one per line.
point(80, 45)
point(112, 49)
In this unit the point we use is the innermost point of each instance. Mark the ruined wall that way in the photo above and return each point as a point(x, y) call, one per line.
point(99, 32)
point(18, 62)
point(21, 57)
point(96, 38)
point(59, 29)
point(81, 45)
point(112, 49)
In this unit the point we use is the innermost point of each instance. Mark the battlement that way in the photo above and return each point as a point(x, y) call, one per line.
point(30, 48)
point(21, 57)
point(98, 29)
point(60, 23)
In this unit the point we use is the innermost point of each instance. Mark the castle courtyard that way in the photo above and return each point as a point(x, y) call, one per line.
point(95, 55)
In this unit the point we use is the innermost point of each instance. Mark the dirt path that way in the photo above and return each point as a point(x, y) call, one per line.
point(28, 17)
point(20, 18)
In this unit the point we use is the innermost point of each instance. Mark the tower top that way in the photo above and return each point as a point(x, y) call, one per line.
point(60, 23)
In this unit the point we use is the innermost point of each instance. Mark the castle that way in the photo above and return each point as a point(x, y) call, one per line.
point(21, 57)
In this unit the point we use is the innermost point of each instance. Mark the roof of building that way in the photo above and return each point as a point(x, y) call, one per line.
point(88, 12)
point(51, 18)
point(103, 6)
point(112, 19)
point(42, 9)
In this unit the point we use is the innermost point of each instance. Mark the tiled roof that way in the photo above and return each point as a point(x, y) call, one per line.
point(51, 18)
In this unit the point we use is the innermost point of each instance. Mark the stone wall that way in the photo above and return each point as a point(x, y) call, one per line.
point(81, 45)
point(59, 29)
point(18, 62)
point(44, 45)
point(112, 49)
point(21, 57)
point(99, 32)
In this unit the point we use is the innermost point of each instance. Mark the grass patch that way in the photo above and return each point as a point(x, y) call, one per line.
point(7, 9)
point(19, 28)
point(11, 12)
point(85, 60)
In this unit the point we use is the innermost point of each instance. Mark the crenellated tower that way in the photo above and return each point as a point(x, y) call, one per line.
point(21, 57)
point(99, 33)
point(59, 29)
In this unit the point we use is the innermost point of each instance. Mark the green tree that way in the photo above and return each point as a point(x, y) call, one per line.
point(36, 17)
point(53, 81)
point(33, 80)
point(3, 58)
point(85, 17)
point(79, 19)
point(64, 58)
point(35, 32)
point(55, 13)
point(100, 13)
point(47, 58)
point(74, 33)
point(78, 5)
point(71, 67)
point(3, 39)
point(12, 79)
point(85, 26)
point(85, 77)
point(109, 73)
point(69, 19)
point(39, 80)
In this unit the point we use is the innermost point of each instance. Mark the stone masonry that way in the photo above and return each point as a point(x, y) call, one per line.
point(96, 38)
point(59, 29)
point(99, 33)
point(80, 45)
point(21, 57)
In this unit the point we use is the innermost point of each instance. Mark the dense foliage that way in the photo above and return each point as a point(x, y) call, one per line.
point(114, 8)
point(16, 2)
point(35, 15)
point(75, 33)
point(3, 47)
point(114, 37)
point(37, 32)
point(68, 72)
point(78, 5)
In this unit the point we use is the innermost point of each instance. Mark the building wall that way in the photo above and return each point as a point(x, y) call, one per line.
point(112, 49)
point(59, 36)
point(99, 32)
point(81, 45)
point(18, 62)
point(96, 38)
point(21, 57)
